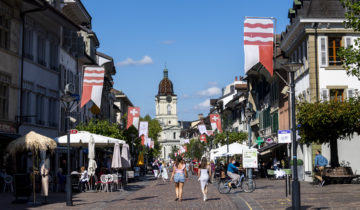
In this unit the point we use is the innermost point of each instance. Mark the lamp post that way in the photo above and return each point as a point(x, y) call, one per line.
point(292, 67)
point(68, 100)
point(248, 115)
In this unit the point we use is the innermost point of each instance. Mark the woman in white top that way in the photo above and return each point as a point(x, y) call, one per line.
point(164, 172)
point(204, 173)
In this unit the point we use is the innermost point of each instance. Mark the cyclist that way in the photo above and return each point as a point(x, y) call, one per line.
point(232, 172)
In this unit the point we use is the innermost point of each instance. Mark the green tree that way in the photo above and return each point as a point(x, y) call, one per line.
point(195, 149)
point(238, 137)
point(351, 54)
point(154, 132)
point(327, 122)
point(102, 127)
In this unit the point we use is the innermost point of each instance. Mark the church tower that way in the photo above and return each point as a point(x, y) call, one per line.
point(166, 114)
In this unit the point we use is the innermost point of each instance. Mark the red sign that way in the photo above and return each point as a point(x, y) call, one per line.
point(73, 131)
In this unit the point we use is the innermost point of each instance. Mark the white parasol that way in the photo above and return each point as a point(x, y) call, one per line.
point(92, 164)
point(116, 160)
point(125, 156)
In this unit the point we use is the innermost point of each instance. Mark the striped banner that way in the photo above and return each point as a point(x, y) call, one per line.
point(92, 85)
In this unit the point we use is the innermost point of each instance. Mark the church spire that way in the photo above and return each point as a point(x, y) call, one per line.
point(165, 72)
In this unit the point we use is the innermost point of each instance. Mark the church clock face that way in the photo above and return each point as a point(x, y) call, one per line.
point(168, 99)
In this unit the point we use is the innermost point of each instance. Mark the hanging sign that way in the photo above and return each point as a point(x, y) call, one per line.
point(250, 159)
point(284, 136)
point(202, 129)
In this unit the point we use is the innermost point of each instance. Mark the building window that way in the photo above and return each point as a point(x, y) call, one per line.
point(275, 123)
point(28, 44)
point(337, 95)
point(334, 43)
point(41, 50)
point(169, 109)
point(174, 135)
point(4, 32)
point(4, 100)
point(54, 57)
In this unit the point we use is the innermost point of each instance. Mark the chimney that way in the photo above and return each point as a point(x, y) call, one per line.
point(201, 116)
point(236, 78)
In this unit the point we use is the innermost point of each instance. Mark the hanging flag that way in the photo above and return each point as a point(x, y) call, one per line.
point(215, 122)
point(258, 43)
point(147, 141)
point(133, 117)
point(182, 150)
point(210, 132)
point(143, 130)
point(202, 129)
point(186, 141)
point(143, 140)
point(203, 138)
point(152, 144)
point(92, 85)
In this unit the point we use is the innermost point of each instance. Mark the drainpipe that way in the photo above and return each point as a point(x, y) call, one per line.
point(316, 62)
point(22, 16)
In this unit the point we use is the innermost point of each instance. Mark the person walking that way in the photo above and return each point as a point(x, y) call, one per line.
point(320, 163)
point(178, 175)
point(155, 167)
point(204, 174)
point(84, 178)
point(164, 172)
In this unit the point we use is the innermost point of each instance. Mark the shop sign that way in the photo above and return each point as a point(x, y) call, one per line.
point(269, 140)
point(73, 131)
point(250, 158)
point(284, 136)
point(259, 141)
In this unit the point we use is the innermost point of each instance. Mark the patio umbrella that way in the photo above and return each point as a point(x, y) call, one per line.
point(125, 156)
point(33, 142)
point(116, 159)
point(92, 163)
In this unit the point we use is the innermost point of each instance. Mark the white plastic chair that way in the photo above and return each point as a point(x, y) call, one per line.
point(110, 180)
point(115, 181)
point(8, 183)
point(103, 180)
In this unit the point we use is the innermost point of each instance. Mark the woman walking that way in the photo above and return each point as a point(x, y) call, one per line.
point(164, 172)
point(204, 174)
point(178, 175)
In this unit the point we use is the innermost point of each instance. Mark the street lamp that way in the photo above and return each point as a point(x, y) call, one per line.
point(292, 67)
point(248, 114)
point(68, 99)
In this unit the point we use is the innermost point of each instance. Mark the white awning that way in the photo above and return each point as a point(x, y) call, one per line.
point(82, 138)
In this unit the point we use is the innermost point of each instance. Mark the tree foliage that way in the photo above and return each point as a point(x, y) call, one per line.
point(195, 149)
point(327, 122)
point(154, 132)
point(351, 55)
point(102, 127)
point(238, 137)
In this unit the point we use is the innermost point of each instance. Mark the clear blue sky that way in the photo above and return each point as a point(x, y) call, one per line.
point(200, 40)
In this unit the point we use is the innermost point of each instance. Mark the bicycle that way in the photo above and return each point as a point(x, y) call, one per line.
point(244, 184)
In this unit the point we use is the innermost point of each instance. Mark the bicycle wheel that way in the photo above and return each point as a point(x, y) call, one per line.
point(223, 186)
point(249, 186)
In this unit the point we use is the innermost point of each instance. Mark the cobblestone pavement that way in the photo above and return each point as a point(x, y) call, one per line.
point(156, 194)
point(270, 194)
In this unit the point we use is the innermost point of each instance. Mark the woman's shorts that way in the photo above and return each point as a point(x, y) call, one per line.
point(179, 177)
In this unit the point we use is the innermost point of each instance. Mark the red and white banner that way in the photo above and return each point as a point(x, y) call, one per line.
point(142, 140)
point(92, 85)
point(152, 144)
point(210, 132)
point(202, 129)
point(203, 138)
point(133, 117)
point(258, 43)
point(215, 122)
point(143, 130)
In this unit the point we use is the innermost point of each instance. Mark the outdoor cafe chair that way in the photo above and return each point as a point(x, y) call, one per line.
point(104, 182)
point(8, 183)
point(110, 181)
point(115, 181)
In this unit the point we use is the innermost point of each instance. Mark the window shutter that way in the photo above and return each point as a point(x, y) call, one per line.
point(348, 41)
point(324, 94)
point(350, 93)
point(323, 51)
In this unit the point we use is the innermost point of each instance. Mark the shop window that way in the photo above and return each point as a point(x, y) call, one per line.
point(337, 95)
point(41, 50)
point(4, 100)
